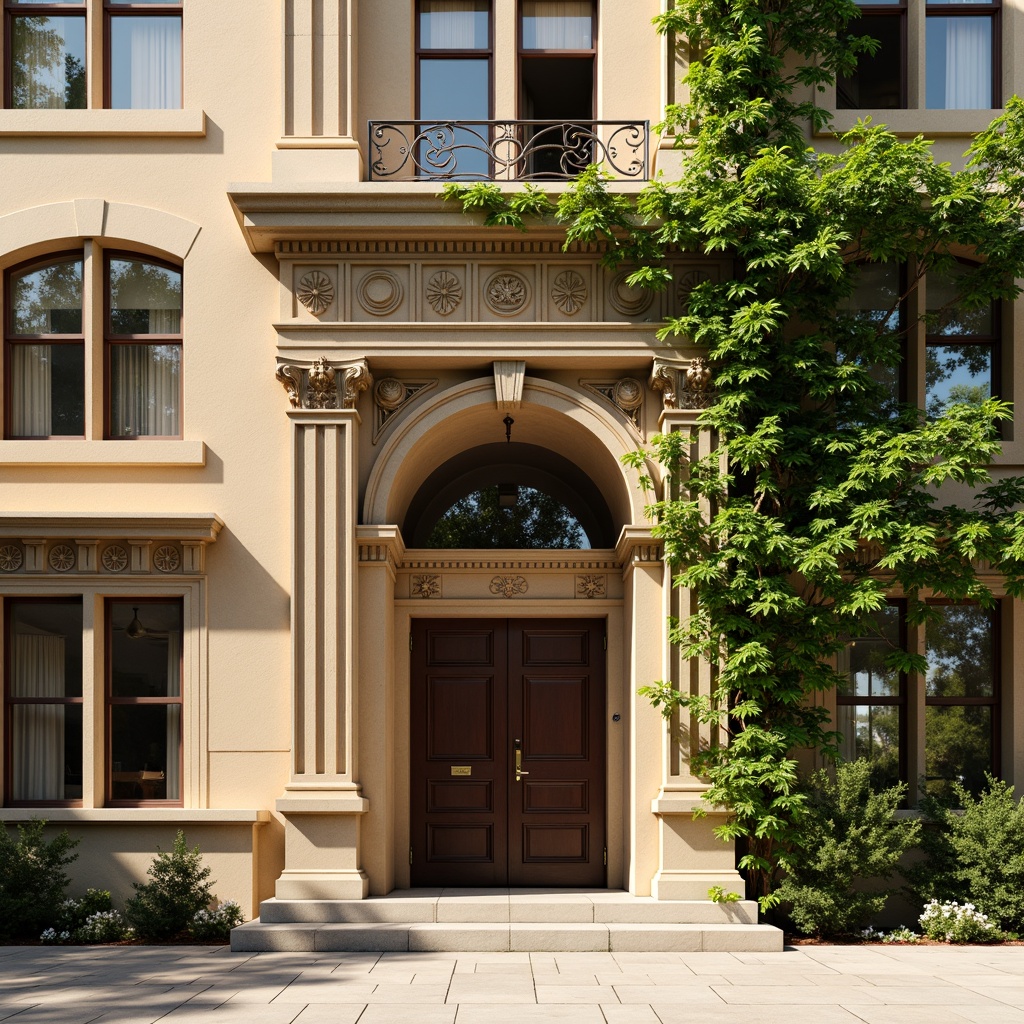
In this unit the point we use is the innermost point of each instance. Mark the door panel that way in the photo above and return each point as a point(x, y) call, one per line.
point(477, 687)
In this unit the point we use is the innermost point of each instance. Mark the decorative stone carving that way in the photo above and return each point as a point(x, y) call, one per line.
point(444, 292)
point(509, 586)
point(357, 379)
point(506, 293)
point(665, 378)
point(11, 558)
point(291, 378)
point(687, 281)
point(380, 293)
point(569, 292)
point(626, 299)
point(390, 395)
point(590, 586)
point(315, 292)
point(114, 558)
point(321, 389)
point(62, 557)
point(166, 558)
point(426, 586)
point(626, 394)
point(509, 377)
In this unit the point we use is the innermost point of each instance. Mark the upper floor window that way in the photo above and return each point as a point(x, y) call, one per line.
point(49, 355)
point(48, 46)
point(960, 55)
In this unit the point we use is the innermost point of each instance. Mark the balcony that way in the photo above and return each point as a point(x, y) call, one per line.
point(507, 150)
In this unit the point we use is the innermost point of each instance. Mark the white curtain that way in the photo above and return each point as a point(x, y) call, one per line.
point(145, 390)
point(30, 391)
point(557, 24)
point(37, 670)
point(449, 25)
point(155, 53)
point(172, 769)
point(968, 63)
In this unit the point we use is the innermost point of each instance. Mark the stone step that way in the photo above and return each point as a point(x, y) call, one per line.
point(472, 937)
point(469, 906)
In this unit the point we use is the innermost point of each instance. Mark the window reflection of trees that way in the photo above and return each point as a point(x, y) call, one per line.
point(46, 72)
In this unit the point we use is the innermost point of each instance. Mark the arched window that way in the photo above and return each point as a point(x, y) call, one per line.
point(52, 331)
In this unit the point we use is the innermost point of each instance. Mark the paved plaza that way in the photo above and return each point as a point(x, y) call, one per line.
point(207, 984)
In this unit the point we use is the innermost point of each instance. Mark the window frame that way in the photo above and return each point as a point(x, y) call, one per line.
point(437, 53)
point(111, 339)
point(991, 10)
point(522, 53)
point(12, 9)
point(10, 702)
point(172, 9)
point(898, 10)
point(110, 702)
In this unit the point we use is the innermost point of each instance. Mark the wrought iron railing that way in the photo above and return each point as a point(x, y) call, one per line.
point(507, 150)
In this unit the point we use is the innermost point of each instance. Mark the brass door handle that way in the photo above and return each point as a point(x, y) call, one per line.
point(519, 761)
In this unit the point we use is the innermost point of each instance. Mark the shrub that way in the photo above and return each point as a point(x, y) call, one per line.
point(32, 879)
point(216, 924)
point(975, 854)
point(74, 912)
point(849, 834)
point(951, 922)
point(103, 926)
point(164, 907)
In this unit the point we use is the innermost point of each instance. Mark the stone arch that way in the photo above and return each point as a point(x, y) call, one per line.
point(41, 229)
point(465, 415)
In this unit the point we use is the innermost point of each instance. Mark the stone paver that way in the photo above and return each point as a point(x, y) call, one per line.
point(207, 985)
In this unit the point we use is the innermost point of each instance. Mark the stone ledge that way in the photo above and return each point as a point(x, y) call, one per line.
point(135, 815)
point(44, 452)
point(188, 123)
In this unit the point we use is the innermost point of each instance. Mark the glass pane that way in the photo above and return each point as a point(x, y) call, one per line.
point(507, 516)
point(145, 62)
point(943, 290)
point(454, 25)
point(961, 652)
point(145, 752)
point(145, 655)
point(48, 300)
point(47, 390)
point(876, 294)
point(863, 661)
point(956, 373)
point(48, 62)
point(877, 81)
point(46, 649)
point(46, 741)
point(872, 732)
point(958, 63)
point(558, 24)
point(145, 390)
point(957, 746)
point(455, 90)
point(144, 298)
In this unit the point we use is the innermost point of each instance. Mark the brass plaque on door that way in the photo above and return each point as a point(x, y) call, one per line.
point(462, 769)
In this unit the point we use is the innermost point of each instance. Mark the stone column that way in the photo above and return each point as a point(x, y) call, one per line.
point(691, 859)
point(318, 141)
point(380, 552)
point(322, 803)
point(643, 575)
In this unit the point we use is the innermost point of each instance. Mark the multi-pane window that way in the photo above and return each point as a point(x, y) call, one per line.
point(43, 675)
point(962, 346)
point(454, 81)
point(144, 700)
point(960, 55)
point(880, 80)
point(958, 699)
point(48, 46)
point(47, 350)
point(959, 58)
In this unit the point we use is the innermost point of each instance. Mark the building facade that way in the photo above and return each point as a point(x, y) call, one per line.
point(252, 361)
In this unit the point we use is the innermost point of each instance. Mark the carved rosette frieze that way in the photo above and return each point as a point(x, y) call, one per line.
point(324, 385)
point(688, 280)
point(391, 395)
point(509, 586)
point(506, 293)
point(591, 586)
point(114, 558)
point(444, 292)
point(380, 293)
point(569, 292)
point(11, 558)
point(62, 557)
point(315, 292)
point(166, 558)
point(426, 586)
point(627, 299)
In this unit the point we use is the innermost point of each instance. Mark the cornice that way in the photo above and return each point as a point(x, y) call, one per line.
point(154, 525)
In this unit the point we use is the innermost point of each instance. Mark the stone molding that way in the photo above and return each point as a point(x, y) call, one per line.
point(321, 384)
point(683, 386)
point(380, 545)
point(637, 547)
point(509, 375)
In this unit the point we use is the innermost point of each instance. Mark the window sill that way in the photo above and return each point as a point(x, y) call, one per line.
point(916, 121)
point(189, 123)
point(102, 453)
point(136, 815)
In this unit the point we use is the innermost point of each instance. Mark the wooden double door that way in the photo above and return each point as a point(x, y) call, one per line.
point(489, 697)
